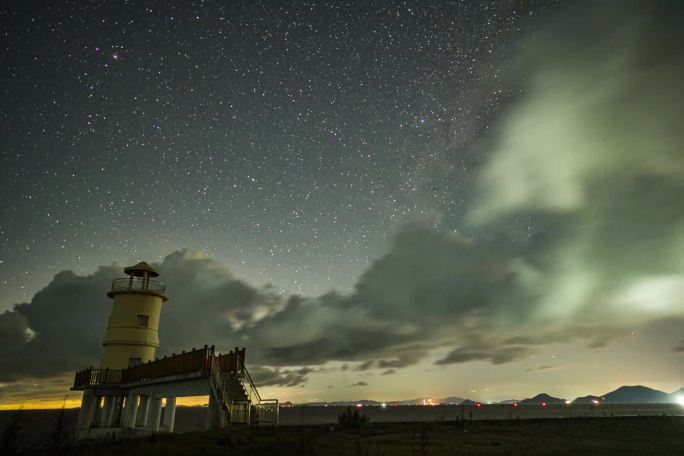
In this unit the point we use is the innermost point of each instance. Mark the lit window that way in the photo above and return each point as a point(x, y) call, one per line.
point(143, 321)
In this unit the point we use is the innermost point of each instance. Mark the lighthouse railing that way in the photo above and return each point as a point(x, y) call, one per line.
point(138, 284)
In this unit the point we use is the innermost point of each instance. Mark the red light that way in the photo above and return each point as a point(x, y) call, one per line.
point(478, 405)
point(516, 405)
point(544, 404)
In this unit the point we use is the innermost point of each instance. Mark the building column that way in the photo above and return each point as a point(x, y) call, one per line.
point(143, 410)
point(216, 417)
point(212, 412)
point(154, 414)
point(116, 416)
point(86, 414)
point(169, 414)
point(130, 410)
point(97, 417)
point(107, 409)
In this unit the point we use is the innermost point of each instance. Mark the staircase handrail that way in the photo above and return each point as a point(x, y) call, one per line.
point(252, 392)
point(220, 385)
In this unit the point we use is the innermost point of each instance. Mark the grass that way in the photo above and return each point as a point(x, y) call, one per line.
point(599, 436)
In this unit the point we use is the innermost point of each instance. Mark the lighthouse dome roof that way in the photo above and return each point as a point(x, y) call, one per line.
point(140, 269)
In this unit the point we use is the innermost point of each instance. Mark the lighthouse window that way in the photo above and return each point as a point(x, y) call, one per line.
point(143, 320)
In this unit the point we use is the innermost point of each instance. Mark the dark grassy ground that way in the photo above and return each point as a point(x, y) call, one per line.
point(573, 436)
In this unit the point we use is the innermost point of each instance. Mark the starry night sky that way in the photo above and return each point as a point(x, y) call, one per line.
point(289, 141)
point(457, 172)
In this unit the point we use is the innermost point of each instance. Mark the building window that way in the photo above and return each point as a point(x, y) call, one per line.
point(132, 362)
point(143, 321)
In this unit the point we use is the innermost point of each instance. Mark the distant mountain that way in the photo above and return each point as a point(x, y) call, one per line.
point(637, 395)
point(543, 397)
point(588, 400)
point(625, 394)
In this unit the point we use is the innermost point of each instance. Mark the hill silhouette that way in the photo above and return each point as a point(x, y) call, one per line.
point(637, 394)
point(543, 398)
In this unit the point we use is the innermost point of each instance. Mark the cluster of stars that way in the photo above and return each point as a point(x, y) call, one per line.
point(289, 140)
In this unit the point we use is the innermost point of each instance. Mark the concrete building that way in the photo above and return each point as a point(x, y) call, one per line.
point(134, 393)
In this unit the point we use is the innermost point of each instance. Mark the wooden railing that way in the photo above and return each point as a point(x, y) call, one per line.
point(195, 361)
point(229, 362)
point(97, 377)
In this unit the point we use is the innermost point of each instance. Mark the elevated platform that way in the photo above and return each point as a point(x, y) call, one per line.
point(141, 399)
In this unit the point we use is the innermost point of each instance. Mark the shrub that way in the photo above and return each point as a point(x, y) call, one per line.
point(351, 418)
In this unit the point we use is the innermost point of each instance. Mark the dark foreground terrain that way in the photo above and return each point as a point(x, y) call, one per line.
point(580, 436)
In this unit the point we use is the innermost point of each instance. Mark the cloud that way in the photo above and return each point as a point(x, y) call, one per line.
point(62, 328)
point(265, 376)
point(679, 348)
point(589, 161)
point(361, 383)
point(493, 355)
point(365, 366)
point(389, 372)
point(543, 368)
point(38, 390)
point(402, 360)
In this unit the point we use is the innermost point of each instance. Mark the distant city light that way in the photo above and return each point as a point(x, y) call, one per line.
point(680, 399)
point(478, 405)
point(359, 405)
point(544, 404)
point(383, 405)
point(595, 401)
point(516, 405)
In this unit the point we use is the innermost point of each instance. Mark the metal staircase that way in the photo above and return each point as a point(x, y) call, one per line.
point(239, 399)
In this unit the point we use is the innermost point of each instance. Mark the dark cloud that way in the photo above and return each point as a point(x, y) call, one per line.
point(264, 376)
point(493, 355)
point(542, 368)
point(365, 366)
point(36, 390)
point(389, 372)
point(361, 383)
point(62, 328)
point(430, 286)
point(679, 348)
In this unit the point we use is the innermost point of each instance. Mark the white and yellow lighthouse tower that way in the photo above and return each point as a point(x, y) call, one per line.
point(133, 329)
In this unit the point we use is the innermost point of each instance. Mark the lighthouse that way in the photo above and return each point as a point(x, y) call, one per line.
point(132, 334)
point(134, 392)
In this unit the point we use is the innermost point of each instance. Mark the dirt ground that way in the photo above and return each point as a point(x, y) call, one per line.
point(570, 436)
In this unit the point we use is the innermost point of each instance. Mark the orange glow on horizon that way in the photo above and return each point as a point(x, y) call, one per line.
point(42, 405)
point(76, 403)
point(192, 401)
